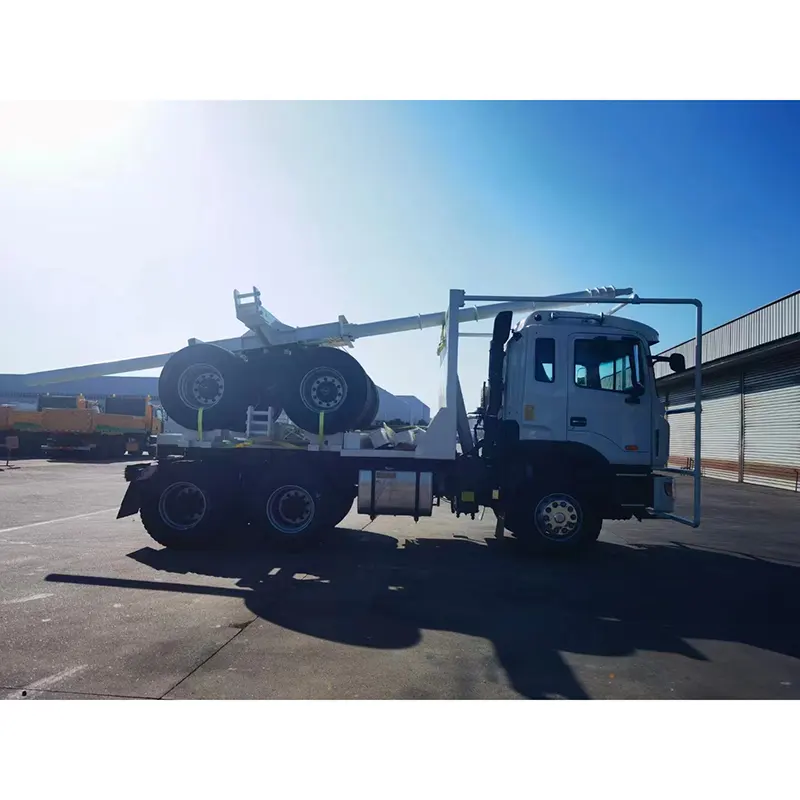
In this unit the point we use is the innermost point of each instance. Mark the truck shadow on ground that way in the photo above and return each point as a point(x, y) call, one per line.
point(371, 590)
point(89, 459)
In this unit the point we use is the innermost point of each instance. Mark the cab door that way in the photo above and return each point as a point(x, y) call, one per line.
point(538, 380)
point(609, 397)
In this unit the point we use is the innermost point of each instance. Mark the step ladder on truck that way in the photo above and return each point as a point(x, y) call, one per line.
point(570, 431)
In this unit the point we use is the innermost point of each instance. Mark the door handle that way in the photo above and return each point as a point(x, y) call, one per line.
point(577, 422)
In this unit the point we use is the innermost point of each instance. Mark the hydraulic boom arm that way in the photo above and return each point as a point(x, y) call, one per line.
point(266, 330)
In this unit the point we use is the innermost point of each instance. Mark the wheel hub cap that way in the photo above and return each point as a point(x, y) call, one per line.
point(201, 386)
point(558, 516)
point(323, 389)
point(290, 509)
point(182, 506)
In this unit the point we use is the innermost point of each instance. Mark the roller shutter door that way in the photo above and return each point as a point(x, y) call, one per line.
point(681, 428)
point(720, 445)
point(772, 424)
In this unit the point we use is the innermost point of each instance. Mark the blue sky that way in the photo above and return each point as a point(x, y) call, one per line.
point(125, 229)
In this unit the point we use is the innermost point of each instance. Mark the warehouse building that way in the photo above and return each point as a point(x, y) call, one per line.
point(417, 411)
point(751, 398)
point(14, 392)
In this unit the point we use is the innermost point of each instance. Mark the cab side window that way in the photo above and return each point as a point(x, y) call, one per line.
point(612, 365)
point(545, 358)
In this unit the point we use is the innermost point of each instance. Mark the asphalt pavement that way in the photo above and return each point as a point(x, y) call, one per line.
point(91, 607)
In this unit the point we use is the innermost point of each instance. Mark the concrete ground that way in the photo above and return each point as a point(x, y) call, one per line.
point(91, 607)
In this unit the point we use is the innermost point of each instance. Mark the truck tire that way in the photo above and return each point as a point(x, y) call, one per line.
point(292, 509)
point(371, 408)
point(183, 507)
point(209, 377)
point(341, 502)
point(267, 376)
point(324, 379)
point(554, 519)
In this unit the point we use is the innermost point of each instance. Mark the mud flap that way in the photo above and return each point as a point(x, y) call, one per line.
point(131, 502)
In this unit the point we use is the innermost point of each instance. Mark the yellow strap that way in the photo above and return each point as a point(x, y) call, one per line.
point(321, 425)
point(200, 424)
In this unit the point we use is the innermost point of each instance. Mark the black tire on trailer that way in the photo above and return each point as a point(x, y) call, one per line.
point(209, 377)
point(267, 375)
point(371, 408)
point(183, 506)
point(324, 379)
point(557, 518)
point(291, 508)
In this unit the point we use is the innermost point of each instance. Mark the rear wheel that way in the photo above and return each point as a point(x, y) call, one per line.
point(183, 507)
point(555, 519)
point(292, 509)
point(340, 504)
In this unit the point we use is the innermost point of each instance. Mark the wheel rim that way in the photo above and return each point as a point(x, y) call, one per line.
point(291, 509)
point(323, 390)
point(558, 517)
point(182, 506)
point(201, 386)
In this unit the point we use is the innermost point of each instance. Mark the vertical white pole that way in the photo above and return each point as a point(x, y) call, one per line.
point(698, 397)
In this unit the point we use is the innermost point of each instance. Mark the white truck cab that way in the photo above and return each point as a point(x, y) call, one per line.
point(588, 379)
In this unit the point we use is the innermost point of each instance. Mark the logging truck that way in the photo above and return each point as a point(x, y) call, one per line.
point(570, 430)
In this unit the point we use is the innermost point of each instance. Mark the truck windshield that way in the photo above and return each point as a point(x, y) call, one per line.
point(614, 365)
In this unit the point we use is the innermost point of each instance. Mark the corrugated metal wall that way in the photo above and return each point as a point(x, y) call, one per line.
point(770, 323)
point(722, 401)
point(752, 436)
point(681, 428)
point(721, 437)
point(772, 424)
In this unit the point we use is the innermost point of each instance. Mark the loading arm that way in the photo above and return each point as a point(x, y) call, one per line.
point(267, 330)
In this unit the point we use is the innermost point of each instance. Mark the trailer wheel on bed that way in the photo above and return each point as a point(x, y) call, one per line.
point(208, 377)
point(325, 380)
point(183, 507)
point(371, 409)
point(266, 377)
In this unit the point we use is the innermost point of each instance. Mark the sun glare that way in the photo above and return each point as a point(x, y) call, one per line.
point(41, 135)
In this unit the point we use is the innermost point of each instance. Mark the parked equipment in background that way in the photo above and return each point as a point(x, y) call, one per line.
point(11, 444)
point(73, 424)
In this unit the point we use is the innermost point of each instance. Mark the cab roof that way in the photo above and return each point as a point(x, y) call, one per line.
point(542, 318)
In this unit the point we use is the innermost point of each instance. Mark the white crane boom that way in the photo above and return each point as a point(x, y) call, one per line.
point(266, 330)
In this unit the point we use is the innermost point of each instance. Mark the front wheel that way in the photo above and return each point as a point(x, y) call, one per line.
point(555, 520)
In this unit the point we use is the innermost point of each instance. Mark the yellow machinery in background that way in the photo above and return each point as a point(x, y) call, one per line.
point(71, 423)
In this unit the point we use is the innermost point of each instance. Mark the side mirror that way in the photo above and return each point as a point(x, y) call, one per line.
point(637, 390)
point(677, 362)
